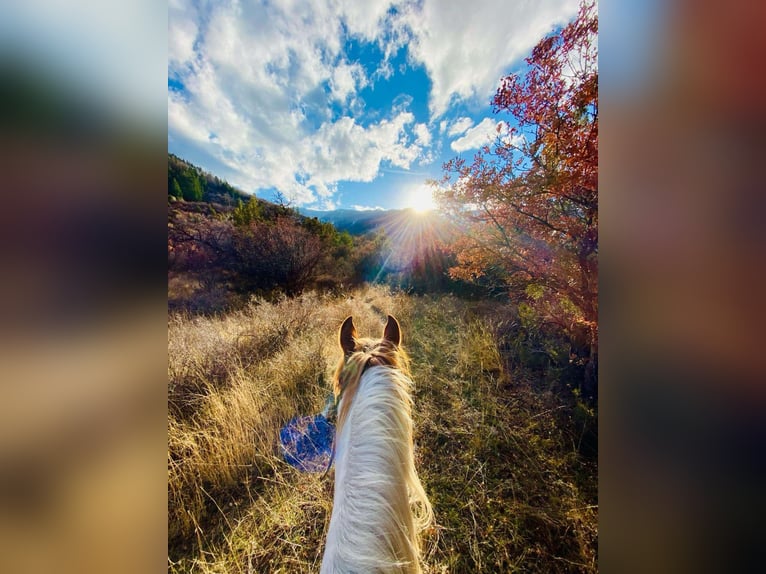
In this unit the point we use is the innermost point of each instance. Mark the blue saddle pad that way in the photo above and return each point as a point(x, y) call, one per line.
point(307, 443)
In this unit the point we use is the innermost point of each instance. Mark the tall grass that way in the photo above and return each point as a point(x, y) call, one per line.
point(509, 491)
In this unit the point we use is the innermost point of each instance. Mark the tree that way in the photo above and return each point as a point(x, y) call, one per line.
point(530, 201)
point(175, 189)
point(245, 213)
point(191, 185)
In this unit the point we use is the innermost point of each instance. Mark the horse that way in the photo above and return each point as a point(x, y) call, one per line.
point(379, 504)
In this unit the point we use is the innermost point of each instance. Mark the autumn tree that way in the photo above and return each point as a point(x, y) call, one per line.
point(529, 201)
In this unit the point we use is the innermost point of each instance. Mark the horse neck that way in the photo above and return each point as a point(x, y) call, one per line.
point(372, 526)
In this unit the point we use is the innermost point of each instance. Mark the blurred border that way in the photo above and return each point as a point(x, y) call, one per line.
point(83, 335)
point(83, 299)
point(683, 244)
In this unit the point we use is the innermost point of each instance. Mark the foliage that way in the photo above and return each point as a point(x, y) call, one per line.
point(175, 189)
point(184, 182)
point(245, 213)
point(233, 246)
point(530, 200)
point(251, 249)
point(280, 253)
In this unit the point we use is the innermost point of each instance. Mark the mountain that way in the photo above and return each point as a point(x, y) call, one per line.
point(358, 222)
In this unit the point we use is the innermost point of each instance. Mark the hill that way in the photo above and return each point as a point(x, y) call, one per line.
point(358, 222)
point(189, 182)
point(225, 246)
point(354, 221)
point(507, 463)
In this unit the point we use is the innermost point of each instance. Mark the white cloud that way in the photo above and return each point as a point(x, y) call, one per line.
point(459, 126)
point(385, 71)
point(181, 34)
point(256, 81)
point(466, 49)
point(346, 80)
point(327, 205)
point(365, 19)
point(423, 135)
point(344, 150)
point(367, 208)
point(261, 79)
point(484, 133)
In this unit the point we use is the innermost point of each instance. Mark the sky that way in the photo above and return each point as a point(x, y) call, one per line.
point(343, 103)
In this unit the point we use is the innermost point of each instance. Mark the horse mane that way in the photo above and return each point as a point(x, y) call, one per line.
point(380, 505)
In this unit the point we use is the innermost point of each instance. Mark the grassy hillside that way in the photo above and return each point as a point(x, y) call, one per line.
point(497, 451)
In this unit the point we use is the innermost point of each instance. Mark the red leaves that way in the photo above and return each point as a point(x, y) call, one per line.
point(533, 209)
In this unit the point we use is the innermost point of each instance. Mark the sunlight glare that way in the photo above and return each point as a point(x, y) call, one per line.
point(421, 199)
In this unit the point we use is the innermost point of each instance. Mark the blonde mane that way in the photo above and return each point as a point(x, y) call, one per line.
point(379, 507)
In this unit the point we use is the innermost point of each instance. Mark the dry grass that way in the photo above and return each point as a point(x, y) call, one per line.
point(509, 493)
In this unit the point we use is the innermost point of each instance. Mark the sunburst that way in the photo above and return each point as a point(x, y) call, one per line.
point(421, 199)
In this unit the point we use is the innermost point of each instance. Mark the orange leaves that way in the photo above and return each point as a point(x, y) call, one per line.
point(532, 210)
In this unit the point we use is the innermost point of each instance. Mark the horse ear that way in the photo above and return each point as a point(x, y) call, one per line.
point(392, 333)
point(347, 334)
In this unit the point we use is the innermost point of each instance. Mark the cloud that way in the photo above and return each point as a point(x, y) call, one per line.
point(484, 133)
point(258, 86)
point(346, 79)
point(515, 140)
point(401, 102)
point(181, 36)
point(272, 100)
point(366, 19)
point(367, 208)
point(466, 49)
point(327, 205)
point(423, 135)
point(344, 150)
point(385, 70)
point(459, 126)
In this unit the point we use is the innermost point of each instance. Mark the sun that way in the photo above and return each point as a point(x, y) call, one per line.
point(421, 199)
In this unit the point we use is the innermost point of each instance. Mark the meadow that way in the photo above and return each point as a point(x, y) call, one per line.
point(506, 452)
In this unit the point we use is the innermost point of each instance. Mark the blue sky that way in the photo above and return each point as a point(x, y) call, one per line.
point(342, 103)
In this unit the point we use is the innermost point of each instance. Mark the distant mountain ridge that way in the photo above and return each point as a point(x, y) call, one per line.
point(357, 222)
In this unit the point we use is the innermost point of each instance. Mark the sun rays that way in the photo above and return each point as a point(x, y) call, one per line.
point(415, 238)
point(421, 199)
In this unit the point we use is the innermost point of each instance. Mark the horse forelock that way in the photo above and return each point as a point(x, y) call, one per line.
point(367, 353)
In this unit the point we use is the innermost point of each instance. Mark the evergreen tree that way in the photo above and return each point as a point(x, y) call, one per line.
point(175, 189)
point(191, 186)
